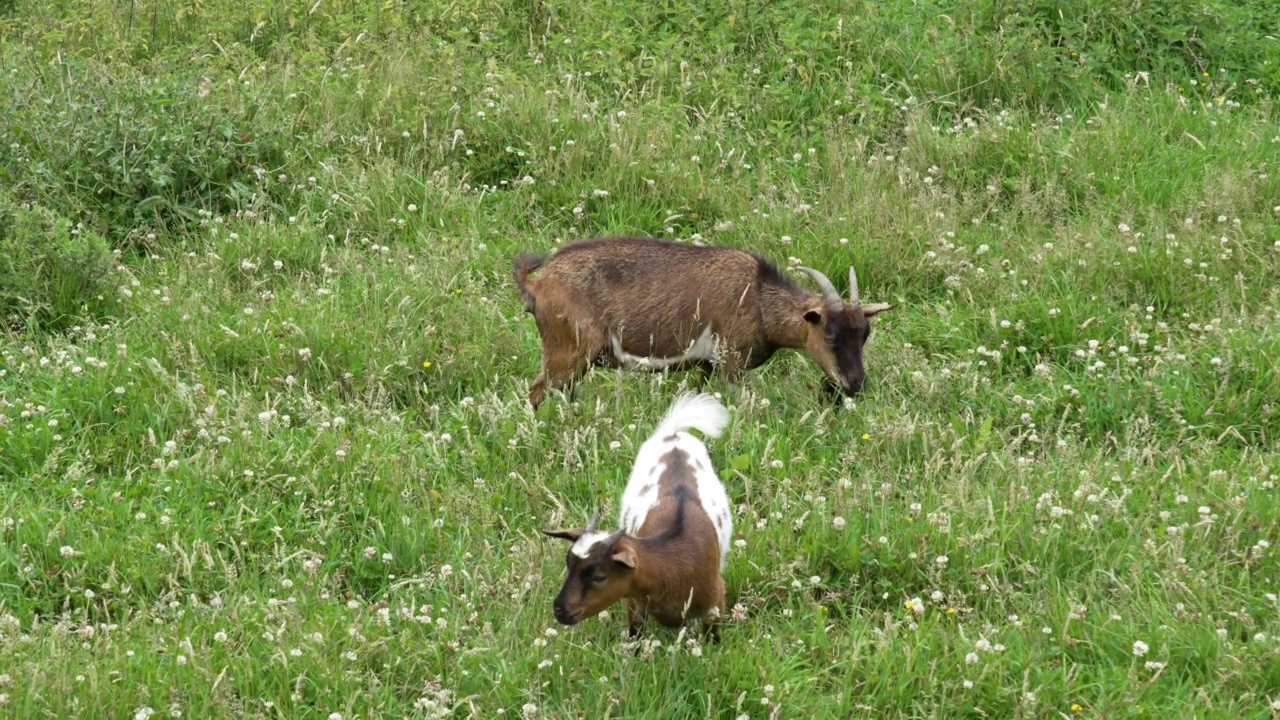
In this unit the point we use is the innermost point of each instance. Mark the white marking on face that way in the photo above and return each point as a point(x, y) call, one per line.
point(703, 348)
point(583, 545)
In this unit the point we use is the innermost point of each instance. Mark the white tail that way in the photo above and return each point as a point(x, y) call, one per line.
point(702, 412)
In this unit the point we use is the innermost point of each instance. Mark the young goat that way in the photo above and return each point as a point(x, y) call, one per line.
point(676, 526)
point(653, 304)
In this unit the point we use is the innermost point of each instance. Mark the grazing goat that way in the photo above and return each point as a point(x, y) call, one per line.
point(655, 304)
point(676, 525)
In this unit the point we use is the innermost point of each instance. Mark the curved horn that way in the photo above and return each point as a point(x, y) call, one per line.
point(829, 293)
point(853, 286)
point(591, 526)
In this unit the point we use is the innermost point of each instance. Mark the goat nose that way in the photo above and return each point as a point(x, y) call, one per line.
point(561, 615)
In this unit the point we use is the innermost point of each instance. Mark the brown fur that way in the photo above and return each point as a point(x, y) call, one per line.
point(669, 571)
point(657, 296)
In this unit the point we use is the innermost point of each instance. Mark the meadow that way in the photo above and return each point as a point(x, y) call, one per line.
point(265, 448)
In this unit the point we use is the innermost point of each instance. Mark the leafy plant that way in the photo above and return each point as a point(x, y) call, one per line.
point(53, 272)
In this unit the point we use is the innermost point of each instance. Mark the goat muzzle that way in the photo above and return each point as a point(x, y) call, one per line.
point(838, 391)
point(563, 616)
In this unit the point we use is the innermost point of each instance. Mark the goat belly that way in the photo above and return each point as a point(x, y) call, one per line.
point(672, 352)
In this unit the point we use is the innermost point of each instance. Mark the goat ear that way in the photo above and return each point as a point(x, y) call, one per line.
point(570, 535)
point(876, 308)
point(813, 316)
point(625, 555)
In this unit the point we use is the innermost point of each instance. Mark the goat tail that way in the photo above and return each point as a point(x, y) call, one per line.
point(702, 412)
point(524, 264)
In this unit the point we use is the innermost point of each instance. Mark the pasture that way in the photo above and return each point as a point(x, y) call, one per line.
point(265, 443)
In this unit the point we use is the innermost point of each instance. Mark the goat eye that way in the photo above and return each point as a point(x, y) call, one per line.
point(599, 579)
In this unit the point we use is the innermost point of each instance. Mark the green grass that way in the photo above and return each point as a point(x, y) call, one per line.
point(264, 443)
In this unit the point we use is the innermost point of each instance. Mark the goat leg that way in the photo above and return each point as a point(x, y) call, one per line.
point(633, 620)
point(567, 350)
point(711, 624)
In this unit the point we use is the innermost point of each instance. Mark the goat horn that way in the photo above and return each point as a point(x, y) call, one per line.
point(594, 518)
point(853, 286)
point(829, 293)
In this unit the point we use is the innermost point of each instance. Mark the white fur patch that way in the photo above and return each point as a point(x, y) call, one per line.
point(715, 501)
point(703, 348)
point(706, 414)
point(583, 545)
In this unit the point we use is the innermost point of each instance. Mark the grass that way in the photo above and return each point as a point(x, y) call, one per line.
point(269, 454)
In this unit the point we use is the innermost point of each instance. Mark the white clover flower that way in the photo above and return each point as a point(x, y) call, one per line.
point(1140, 648)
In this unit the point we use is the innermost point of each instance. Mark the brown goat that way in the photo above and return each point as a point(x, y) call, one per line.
point(656, 304)
point(676, 526)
